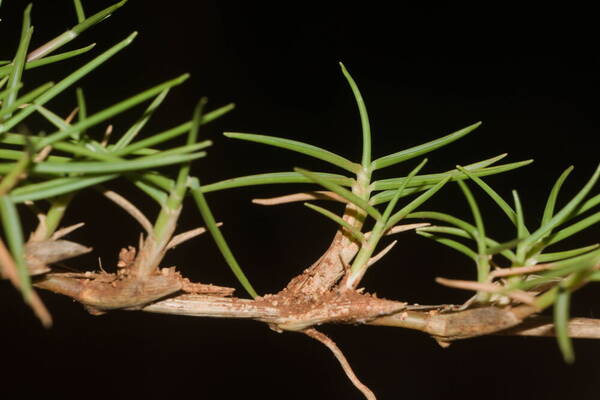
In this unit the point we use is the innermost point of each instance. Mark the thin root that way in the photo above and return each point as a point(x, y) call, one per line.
point(302, 196)
point(185, 236)
point(382, 253)
point(518, 295)
point(66, 230)
point(501, 272)
point(9, 270)
point(315, 334)
point(130, 208)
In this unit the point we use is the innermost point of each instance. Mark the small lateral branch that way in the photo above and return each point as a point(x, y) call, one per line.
point(315, 334)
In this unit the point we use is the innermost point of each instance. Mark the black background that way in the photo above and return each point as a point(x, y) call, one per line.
point(530, 74)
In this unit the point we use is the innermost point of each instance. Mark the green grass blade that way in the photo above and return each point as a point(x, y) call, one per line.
point(364, 119)
point(14, 235)
point(343, 192)
point(410, 207)
point(561, 325)
point(424, 148)
point(212, 227)
point(141, 122)
point(338, 220)
point(300, 147)
point(56, 187)
point(450, 243)
point(562, 255)
point(68, 81)
point(273, 178)
point(14, 78)
point(510, 213)
point(564, 213)
point(551, 202)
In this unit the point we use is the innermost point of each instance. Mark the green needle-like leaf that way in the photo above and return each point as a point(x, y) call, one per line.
point(273, 178)
point(27, 98)
point(564, 268)
point(503, 247)
point(72, 33)
point(56, 187)
point(589, 204)
point(141, 122)
point(54, 119)
point(5, 70)
point(410, 207)
point(551, 202)
point(450, 243)
point(574, 228)
point(463, 229)
point(170, 133)
point(93, 167)
point(562, 255)
point(422, 149)
point(184, 171)
point(67, 82)
point(561, 325)
point(364, 120)
point(483, 264)
point(156, 194)
point(299, 147)
point(112, 111)
point(343, 192)
point(14, 235)
point(82, 113)
point(212, 227)
point(392, 204)
point(4, 94)
point(563, 214)
point(510, 213)
point(456, 175)
point(521, 229)
point(14, 78)
point(338, 220)
point(8, 154)
point(476, 216)
point(79, 11)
